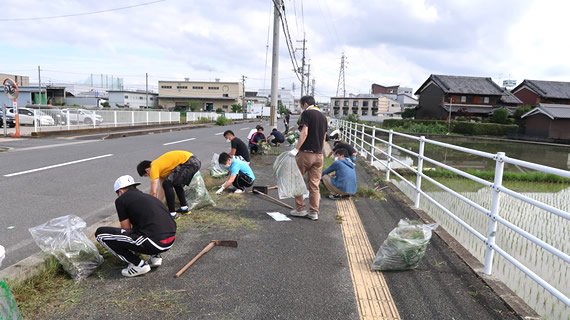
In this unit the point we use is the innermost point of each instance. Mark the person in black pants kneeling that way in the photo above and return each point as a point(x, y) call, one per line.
point(146, 228)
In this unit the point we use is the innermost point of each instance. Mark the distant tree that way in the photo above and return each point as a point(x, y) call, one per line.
point(500, 116)
point(352, 117)
point(520, 111)
point(236, 108)
point(194, 106)
point(409, 113)
point(282, 108)
point(219, 110)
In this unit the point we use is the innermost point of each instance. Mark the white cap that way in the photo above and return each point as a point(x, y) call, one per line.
point(125, 181)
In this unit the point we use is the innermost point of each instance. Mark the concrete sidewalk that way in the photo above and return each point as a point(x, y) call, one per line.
point(298, 269)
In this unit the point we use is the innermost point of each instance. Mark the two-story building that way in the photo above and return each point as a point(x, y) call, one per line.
point(208, 96)
point(364, 105)
point(535, 92)
point(133, 99)
point(443, 96)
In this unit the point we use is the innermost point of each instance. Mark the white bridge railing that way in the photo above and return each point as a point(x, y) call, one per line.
point(377, 146)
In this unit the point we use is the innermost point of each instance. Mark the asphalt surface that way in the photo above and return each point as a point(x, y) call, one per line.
point(84, 188)
point(280, 270)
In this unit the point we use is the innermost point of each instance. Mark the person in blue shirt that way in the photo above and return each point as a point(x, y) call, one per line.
point(343, 184)
point(240, 174)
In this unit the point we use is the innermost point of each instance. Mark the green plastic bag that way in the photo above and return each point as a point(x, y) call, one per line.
point(404, 247)
point(8, 306)
point(197, 194)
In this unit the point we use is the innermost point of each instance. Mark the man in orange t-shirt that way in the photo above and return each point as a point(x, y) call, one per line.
point(173, 170)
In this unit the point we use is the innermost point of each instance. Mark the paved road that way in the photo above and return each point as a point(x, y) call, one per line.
point(42, 179)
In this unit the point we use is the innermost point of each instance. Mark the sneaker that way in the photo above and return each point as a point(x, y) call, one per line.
point(133, 271)
point(155, 261)
point(183, 209)
point(174, 215)
point(238, 191)
point(334, 196)
point(296, 213)
point(313, 216)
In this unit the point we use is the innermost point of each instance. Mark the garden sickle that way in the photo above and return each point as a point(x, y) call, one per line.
point(213, 243)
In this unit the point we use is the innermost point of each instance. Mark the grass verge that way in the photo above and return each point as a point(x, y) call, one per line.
point(44, 294)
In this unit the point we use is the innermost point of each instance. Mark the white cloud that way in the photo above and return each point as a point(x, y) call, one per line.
point(387, 42)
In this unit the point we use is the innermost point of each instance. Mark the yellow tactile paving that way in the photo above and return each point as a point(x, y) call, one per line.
point(372, 294)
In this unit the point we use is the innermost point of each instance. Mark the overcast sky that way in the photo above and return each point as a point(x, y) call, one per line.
point(387, 42)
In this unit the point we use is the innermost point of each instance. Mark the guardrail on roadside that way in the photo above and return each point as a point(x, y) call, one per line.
point(372, 144)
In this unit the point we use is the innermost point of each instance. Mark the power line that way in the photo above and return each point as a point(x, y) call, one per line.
point(83, 13)
point(283, 18)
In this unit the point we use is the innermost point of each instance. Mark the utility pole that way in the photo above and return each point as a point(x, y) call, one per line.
point(308, 77)
point(243, 102)
point(341, 83)
point(146, 91)
point(302, 71)
point(313, 87)
point(275, 63)
point(39, 85)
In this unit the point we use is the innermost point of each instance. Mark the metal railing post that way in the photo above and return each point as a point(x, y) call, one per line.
point(389, 159)
point(147, 117)
point(372, 145)
point(159, 117)
point(362, 138)
point(170, 117)
point(420, 170)
point(68, 120)
point(132, 118)
point(36, 120)
point(115, 117)
point(495, 202)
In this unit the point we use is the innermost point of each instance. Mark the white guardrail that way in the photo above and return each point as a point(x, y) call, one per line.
point(367, 139)
point(67, 119)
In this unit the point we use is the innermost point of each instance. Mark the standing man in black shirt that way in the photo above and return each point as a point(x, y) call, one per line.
point(238, 147)
point(309, 155)
point(146, 227)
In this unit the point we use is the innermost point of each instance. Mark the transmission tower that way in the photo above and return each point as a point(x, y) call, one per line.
point(341, 85)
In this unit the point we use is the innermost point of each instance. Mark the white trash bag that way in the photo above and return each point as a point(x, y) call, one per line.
point(404, 247)
point(216, 170)
point(290, 182)
point(63, 238)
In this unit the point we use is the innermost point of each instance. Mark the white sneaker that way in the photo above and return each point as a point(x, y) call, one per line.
point(155, 261)
point(133, 271)
point(238, 191)
point(296, 213)
point(313, 216)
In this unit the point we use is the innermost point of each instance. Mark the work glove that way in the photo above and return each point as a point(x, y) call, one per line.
point(293, 152)
point(220, 190)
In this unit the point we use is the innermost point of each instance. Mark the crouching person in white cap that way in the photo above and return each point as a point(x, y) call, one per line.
point(146, 228)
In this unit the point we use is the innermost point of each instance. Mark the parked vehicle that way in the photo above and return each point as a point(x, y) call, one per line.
point(10, 121)
point(77, 116)
point(58, 116)
point(31, 117)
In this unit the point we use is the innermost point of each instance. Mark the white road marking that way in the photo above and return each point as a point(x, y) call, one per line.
point(179, 141)
point(55, 145)
point(219, 134)
point(57, 165)
point(244, 128)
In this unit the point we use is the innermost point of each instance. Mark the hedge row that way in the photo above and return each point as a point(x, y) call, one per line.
point(461, 127)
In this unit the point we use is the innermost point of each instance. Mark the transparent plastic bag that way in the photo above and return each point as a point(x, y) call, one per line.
point(290, 182)
point(63, 238)
point(216, 170)
point(404, 247)
point(197, 194)
point(8, 306)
